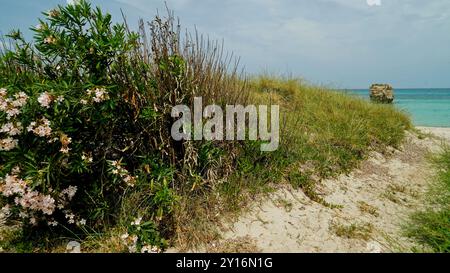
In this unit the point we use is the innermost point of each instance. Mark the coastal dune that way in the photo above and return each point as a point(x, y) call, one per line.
point(369, 207)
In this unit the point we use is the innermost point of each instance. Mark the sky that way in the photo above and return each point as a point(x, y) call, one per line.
point(338, 43)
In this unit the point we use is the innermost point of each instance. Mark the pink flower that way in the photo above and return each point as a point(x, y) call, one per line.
point(70, 192)
point(45, 99)
point(8, 144)
point(12, 129)
point(13, 185)
point(43, 129)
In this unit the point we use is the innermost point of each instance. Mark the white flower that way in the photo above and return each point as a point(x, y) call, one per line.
point(87, 158)
point(146, 249)
point(45, 99)
point(136, 221)
point(8, 144)
point(31, 126)
point(82, 222)
point(115, 163)
point(83, 101)
point(43, 130)
point(3, 92)
point(13, 185)
point(124, 236)
point(71, 217)
point(5, 211)
point(100, 94)
point(65, 150)
point(12, 112)
point(155, 249)
point(11, 128)
point(47, 205)
point(20, 99)
point(53, 140)
point(129, 180)
point(53, 223)
point(60, 99)
point(15, 170)
point(70, 192)
point(50, 40)
point(23, 215)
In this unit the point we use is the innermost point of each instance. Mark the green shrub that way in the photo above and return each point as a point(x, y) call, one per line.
point(85, 125)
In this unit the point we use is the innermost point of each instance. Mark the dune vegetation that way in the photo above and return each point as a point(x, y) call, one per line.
point(86, 152)
point(431, 226)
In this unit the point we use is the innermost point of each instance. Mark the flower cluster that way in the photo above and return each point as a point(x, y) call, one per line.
point(36, 201)
point(8, 144)
point(40, 128)
point(46, 99)
point(30, 201)
point(27, 198)
point(150, 249)
point(97, 95)
point(132, 242)
point(12, 128)
point(54, 13)
point(50, 40)
point(118, 170)
point(66, 195)
point(87, 157)
point(5, 212)
point(11, 106)
point(65, 141)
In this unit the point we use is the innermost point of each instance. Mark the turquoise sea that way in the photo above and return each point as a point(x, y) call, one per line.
point(427, 107)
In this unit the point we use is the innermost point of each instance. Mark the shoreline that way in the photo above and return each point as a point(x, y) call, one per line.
point(441, 132)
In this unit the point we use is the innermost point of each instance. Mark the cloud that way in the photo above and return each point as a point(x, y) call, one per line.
point(374, 2)
point(345, 42)
point(72, 2)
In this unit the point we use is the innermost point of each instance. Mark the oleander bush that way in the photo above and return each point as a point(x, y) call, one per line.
point(85, 124)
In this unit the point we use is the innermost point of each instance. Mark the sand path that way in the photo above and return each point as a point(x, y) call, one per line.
point(375, 201)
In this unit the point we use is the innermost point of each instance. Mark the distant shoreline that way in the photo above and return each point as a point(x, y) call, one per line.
point(412, 88)
point(442, 132)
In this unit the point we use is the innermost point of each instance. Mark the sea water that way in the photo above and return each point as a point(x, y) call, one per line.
point(427, 107)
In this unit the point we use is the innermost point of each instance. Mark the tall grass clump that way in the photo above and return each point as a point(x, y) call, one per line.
point(431, 227)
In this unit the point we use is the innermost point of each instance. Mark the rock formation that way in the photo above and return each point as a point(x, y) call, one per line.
point(382, 93)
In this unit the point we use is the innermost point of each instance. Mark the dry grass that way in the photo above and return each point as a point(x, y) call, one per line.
point(353, 231)
point(237, 245)
point(366, 208)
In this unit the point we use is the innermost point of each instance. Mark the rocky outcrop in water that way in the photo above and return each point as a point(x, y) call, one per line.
point(382, 93)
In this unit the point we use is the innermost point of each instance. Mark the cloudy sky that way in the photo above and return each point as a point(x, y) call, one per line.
point(340, 43)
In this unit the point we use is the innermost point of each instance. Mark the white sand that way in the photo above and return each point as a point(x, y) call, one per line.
point(443, 133)
point(392, 184)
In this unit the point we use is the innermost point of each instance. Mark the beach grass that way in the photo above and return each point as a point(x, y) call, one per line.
point(323, 134)
point(431, 226)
